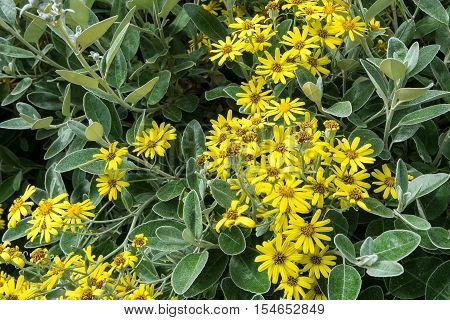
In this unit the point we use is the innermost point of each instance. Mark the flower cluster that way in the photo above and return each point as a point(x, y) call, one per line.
point(82, 275)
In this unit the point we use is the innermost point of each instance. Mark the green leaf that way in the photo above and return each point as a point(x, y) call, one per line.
point(94, 132)
point(145, 269)
point(187, 270)
point(425, 184)
point(167, 209)
point(206, 22)
point(141, 92)
point(433, 8)
point(415, 221)
point(411, 284)
point(15, 52)
point(426, 55)
point(377, 208)
point(215, 267)
point(408, 94)
point(372, 293)
point(338, 222)
point(346, 247)
point(170, 190)
point(149, 228)
point(377, 7)
point(76, 160)
point(97, 111)
point(394, 245)
point(393, 68)
point(312, 91)
point(43, 123)
point(192, 214)
point(167, 6)
point(8, 11)
point(222, 193)
point(160, 88)
point(15, 124)
point(94, 32)
point(244, 273)
point(65, 110)
point(232, 292)
point(35, 30)
point(396, 49)
point(383, 269)
point(171, 236)
point(115, 45)
point(79, 79)
point(440, 237)
point(69, 242)
point(64, 138)
point(368, 136)
point(344, 283)
point(340, 109)
point(359, 94)
point(232, 241)
point(438, 287)
point(401, 176)
point(18, 232)
point(123, 24)
point(193, 140)
point(377, 78)
point(423, 115)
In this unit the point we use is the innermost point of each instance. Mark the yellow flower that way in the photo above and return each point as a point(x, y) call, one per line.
point(233, 216)
point(299, 42)
point(20, 207)
point(228, 49)
point(84, 292)
point(11, 255)
point(286, 109)
point(349, 154)
point(75, 213)
point(112, 156)
point(39, 256)
point(310, 11)
point(270, 169)
point(380, 46)
point(277, 67)
point(123, 260)
point(306, 234)
point(320, 186)
point(139, 241)
point(58, 268)
point(2, 222)
point(279, 257)
point(282, 145)
point(331, 7)
point(144, 292)
point(288, 195)
point(254, 96)
point(16, 290)
point(260, 39)
point(325, 35)
point(315, 293)
point(386, 182)
point(155, 140)
point(315, 63)
point(212, 7)
point(375, 25)
point(292, 4)
point(348, 26)
point(246, 27)
point(46, 229)
point(352, 177)
point(293, 286)
point(353, 194)
point(111, 183)
point(318, 262)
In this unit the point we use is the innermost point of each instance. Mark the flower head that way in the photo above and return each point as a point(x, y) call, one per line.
point(277, 67)
point(112, 156)
point(155, 140)
point(111, 183)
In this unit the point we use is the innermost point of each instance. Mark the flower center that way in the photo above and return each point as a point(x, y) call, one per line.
point(45, 207)
point(348, 25)
point(112, 183)
point(312, 61)
point(307, 230)
point(355, 194)
point(272, 172)
point(232, 214)
point(389, 181)
point(319, 188)
point(280, 147)
point(276, 67)
point(260, 38)
point(151, 144)
point(316, 260)
point(291, 281)
point(111, 156)
point(323, 33)
point(284, 107)
point(302, 137)
point(279, 258)
point(299, 45)
point(12, 297)
point(74, 210)
point(247, 25)
point(329, 9)
point(226, 49)
point(286, 192)
point(351, 154)
point(254, 97)
point(348, 179)
point(87, 295)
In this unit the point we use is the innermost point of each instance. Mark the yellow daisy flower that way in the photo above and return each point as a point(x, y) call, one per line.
point(320, 186)
point(308, 234)
point(349, 26)
point(318, 262)
point(20, 207)
point(233, 216)
point(352, 155)
point(293, 286)
point(325, 35)
point(155, 140)
point(288, 195)
point(277, 67)
point(315, 63)
point(279, 257)
point(260, 39)
point(75, 213)
point(386, 182)
point(285, 109)
point(144, 292)
point(299, 42)
point(254, 96)
point(353, 194)
point(228, 49)
point(111, 183)
point(123, 260)
point(112, 156)
point(246, 28)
